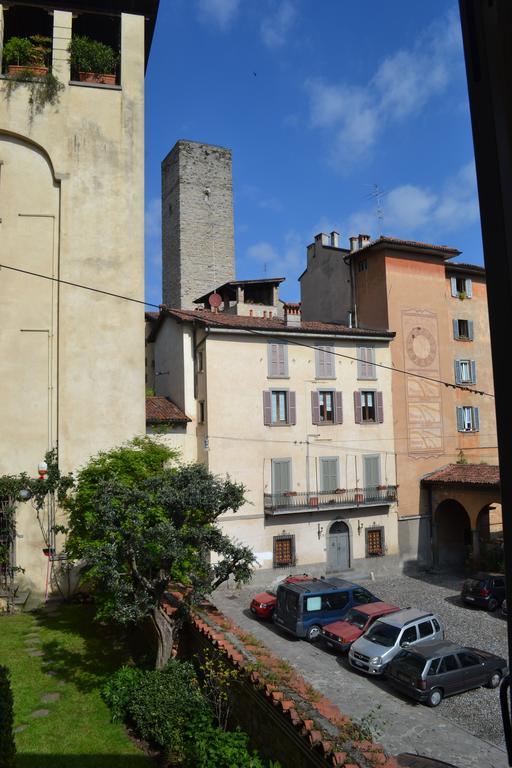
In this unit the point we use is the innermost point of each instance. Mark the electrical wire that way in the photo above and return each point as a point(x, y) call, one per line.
point(194, 316)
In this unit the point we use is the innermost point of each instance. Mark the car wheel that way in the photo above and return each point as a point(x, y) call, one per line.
point(492, 604)
point(313, 633)
point(494, 680)
point(435, 697)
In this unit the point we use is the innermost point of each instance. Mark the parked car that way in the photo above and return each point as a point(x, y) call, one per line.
point(387, 636)
point(341, 634)
point(304, 608)
point(486, 590)
point(264, 603)
point(440, 668)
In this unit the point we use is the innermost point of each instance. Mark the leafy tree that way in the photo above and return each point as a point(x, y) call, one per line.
point(7, 745)
point(139, 527)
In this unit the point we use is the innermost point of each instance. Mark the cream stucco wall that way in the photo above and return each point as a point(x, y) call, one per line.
point(71, 207)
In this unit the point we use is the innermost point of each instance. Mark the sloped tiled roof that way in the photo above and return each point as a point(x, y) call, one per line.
point(383, 240)
point(161, 409)
point(273, 324)
point(465, 474)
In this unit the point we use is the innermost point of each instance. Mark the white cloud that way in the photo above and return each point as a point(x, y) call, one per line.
point(276, 27)
point(220, 13)
point(286, 261)
point(354, 115)
point(412, 211)
point(257, 196)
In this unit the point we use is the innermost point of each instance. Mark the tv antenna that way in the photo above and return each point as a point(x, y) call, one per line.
point(377, 195)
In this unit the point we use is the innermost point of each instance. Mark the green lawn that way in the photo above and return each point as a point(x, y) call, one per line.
point(77, 733)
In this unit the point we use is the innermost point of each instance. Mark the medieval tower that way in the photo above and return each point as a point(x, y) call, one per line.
point(198, 251)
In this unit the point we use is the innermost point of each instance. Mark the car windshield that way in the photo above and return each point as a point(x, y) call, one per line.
point(356, 618)
point(382, 634)
point(474, 584)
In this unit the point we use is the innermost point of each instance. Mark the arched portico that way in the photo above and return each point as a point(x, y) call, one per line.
point(453, 529)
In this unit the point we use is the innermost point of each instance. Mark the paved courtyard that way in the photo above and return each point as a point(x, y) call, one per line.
point(464, 730)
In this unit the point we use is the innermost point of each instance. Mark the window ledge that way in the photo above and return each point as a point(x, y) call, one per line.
point(104, 86)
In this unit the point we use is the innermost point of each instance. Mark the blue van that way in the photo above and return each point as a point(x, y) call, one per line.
point(302, 608)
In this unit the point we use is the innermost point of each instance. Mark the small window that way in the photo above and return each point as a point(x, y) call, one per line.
point(463, 329)
point(425, 629)
point(326, 403)
point(284, 553)
point(368, 406)
point(436, 624)
point(324, 363)
point(467, 659)
point(277, 360)
point(465, 372)
point(362, 265)
point(448, 664)
point(366, 363)
point(328, 473)
point(462, 287)
point(361, 595)
point(374, 542)
point(468, 419)
point(313, 604)
point(409, 635)
point(334, 602)
point(202, 411)
point(434, 667)
point(279, 407)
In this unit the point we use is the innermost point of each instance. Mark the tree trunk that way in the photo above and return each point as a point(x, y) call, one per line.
point(164, 629)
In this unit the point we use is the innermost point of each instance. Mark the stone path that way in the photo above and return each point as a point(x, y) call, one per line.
point(32, 641)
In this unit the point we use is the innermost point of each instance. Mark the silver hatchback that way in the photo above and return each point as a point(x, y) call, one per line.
point(387, 636)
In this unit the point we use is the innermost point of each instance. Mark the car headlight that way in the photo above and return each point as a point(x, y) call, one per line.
point(263, 605)
point(376, 660)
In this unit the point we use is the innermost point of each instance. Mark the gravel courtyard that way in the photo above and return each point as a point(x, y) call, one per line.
point(464, 730)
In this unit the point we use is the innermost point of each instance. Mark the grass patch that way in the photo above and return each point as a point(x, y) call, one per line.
point(77, 733)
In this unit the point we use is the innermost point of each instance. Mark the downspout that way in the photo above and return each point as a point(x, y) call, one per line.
point(350, 263)
point(196, 347)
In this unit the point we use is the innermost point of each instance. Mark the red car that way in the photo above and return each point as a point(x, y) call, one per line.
point(341, 634)
point(263, 604)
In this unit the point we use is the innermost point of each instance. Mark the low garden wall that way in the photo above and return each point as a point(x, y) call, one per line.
point(285, 717)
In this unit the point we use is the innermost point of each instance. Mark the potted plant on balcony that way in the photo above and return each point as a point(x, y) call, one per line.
point(359, 496)
point(382, 487)
point(27, 56)
point(92, 61)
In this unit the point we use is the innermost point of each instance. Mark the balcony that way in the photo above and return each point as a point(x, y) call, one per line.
point(292, 502)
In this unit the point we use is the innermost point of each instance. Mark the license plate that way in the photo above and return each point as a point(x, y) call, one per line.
point(329, 644)
point(358, 663)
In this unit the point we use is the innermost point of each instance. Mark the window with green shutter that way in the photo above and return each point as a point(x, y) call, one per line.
point(329, 475)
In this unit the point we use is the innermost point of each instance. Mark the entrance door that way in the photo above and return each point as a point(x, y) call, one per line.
point(338, 547)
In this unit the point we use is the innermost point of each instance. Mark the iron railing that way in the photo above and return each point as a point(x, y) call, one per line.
point(342, 497)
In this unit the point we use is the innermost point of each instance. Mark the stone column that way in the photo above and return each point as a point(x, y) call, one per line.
point(62, 24)
point(475, 541)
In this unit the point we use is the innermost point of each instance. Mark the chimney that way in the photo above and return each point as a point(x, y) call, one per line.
point(354, 244)
point(335, 239)
point(292, 315)
point(363, 240)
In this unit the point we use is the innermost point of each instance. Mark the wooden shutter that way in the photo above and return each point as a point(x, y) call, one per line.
point(460, 419)
point(319, 362)
point(456, 329)
point(469, 288)
point(470, 330)
point(267, 408)
point(476, 420)
point(473, 371)
point(361, 362)
point(371, 470)
point(277, 359)
point(328, 474)
point(338, 407)
point(453, 281)
point(457, 372)
point(315, 408)
point(379, 408)
point(284, 551)
point(358, 411)
point(329, 363)
point(292, 410)
point(374, 541)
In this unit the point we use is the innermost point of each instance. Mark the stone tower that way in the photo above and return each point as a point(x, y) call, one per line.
point(198, 251)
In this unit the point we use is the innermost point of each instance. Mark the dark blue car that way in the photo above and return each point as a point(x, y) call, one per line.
point(302, 609)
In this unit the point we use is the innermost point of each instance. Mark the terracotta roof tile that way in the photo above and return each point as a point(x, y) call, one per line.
point(382, 240)
point(273, 324)
point(466, 474)
point(160, 409)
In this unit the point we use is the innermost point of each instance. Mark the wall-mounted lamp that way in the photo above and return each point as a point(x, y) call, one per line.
point(319, 531)
point(360, 527)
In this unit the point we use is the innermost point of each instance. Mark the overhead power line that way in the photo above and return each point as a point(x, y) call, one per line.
point(193, 316)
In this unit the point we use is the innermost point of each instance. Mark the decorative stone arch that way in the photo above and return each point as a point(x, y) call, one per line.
point(453, 533)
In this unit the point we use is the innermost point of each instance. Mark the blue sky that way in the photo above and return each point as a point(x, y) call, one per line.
point(319, 100)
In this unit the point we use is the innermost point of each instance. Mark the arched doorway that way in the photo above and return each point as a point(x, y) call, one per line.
point(338, 547)
point(453, 533)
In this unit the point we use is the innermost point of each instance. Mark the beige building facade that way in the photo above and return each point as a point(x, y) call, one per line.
point(71, 210)
point(284, 407)
point(441, 355)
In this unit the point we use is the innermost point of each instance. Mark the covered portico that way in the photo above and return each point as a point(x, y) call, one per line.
point(465, 503)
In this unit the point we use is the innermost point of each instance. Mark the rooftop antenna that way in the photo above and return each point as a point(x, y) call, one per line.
point(377, 194)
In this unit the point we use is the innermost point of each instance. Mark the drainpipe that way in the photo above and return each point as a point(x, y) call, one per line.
point(350, 263)
point(195, 348)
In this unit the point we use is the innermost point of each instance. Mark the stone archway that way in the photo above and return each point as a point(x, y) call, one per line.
point(338, 547)
point(453, 529)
